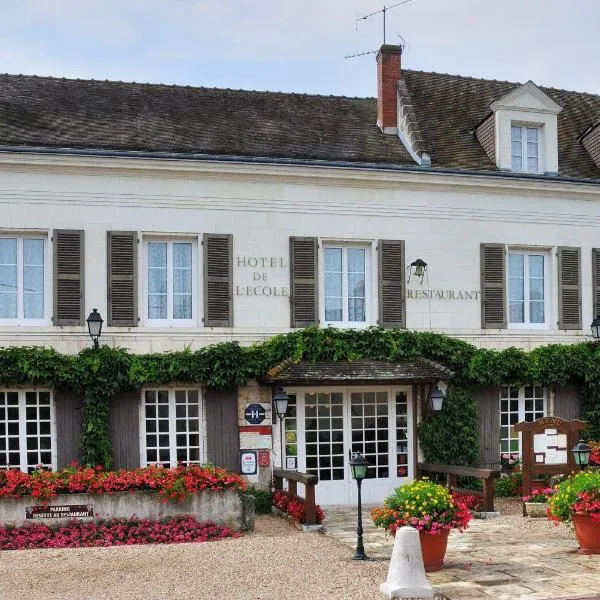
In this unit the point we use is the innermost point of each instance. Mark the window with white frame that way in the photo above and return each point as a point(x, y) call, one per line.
point(518, 404)
point(170, 282)
point(528, 288)
point(345, 289)
point(27, 429)
point(525, 148)
point(172, 427)
point(22, 279)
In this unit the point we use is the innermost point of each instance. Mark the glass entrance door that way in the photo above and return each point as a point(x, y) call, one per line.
point(331, 424)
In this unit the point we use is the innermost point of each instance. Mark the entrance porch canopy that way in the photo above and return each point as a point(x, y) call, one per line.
point(357, 372)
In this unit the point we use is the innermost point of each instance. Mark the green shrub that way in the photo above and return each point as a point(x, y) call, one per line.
point(263, 500)
point(509, 486)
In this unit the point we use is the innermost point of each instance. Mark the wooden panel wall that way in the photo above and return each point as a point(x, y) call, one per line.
point(124, 430)
point(488, 407)
point(567, 402)
point(222, 433)
point(68, 428)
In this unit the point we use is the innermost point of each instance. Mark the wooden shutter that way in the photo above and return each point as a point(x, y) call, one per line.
point(222, 433)
point(493, 282)
point(392, 301)
point(124, 429)
point(218, 280)
point(69, 421)
point(122, 278)
point(567, 402)
point(596, 282)
point(304, 282)
point(569, 287)
point(488, 411)
point(68, 277)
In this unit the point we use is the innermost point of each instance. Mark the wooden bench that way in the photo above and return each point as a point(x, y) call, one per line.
point(487, 476)
point(294, 478)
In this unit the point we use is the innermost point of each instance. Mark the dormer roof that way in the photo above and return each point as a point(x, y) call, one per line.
point(529, 98)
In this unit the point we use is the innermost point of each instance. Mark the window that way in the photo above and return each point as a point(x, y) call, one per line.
point(172, 425)
point(345, 284)
point(27, 431)
point(171, 282)
point(525, 148)
point(527, 289)
point(516, 405)
point(22, 279)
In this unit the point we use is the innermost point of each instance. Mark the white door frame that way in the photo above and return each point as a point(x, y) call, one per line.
point(344, 491)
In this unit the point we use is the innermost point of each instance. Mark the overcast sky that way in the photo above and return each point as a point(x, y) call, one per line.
point(299, 45)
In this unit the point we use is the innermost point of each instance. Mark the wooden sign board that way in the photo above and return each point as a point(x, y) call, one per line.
point(546, 448)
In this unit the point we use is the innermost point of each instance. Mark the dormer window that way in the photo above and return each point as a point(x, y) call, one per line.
point(525, 148)
point(521, 132)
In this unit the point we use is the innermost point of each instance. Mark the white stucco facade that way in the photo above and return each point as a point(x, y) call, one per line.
point(443, 219)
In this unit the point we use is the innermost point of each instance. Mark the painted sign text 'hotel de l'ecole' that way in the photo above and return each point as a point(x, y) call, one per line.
point(192, 216)
point(262, 268)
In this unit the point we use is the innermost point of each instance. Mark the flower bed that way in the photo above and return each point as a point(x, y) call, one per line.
point(113, 532)
point(473, 502)
point(294, 507)
point(206, 492)
point(171, 484)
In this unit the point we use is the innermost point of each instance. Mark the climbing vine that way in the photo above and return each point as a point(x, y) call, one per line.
point(98, 375)
point(451, 437)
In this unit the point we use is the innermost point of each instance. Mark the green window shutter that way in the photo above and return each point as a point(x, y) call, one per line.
point(596, 281)
point(392, 272)
point(304, 282)
point(493, 286)
point(218, 280)
point(569, 287)
point(122, 247)
point(68, 277)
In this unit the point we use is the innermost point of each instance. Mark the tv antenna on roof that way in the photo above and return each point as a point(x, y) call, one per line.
point(362, 17)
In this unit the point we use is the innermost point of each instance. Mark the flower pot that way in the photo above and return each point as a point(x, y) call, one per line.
point(536, 510)
point(433, 548)
point(588, 533)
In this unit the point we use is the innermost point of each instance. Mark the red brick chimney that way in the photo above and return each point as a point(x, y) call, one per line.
point(389, 72)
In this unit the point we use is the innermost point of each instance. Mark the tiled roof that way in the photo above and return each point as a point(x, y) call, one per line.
point(357, 372)
point(61, 113)
point(449, 107)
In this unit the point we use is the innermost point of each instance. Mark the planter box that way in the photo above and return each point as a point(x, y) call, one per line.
point(228, 508)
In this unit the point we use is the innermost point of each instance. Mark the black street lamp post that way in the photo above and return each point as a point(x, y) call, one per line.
point(94, 322)
point(359, 465)
point(280, 402)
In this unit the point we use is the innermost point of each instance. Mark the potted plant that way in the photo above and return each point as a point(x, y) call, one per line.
point(431, 509)
point(536, 504)
point(577, 500)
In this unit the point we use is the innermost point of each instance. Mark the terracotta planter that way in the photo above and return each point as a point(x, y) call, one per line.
point(536, 510)
point(588, 533)
point(433, 548)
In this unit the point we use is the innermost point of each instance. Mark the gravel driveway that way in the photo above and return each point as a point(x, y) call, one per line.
point(275, 562)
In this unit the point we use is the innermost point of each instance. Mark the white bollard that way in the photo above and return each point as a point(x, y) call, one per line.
point(406, 575)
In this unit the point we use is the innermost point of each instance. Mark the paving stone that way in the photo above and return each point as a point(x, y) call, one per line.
point(508, 558)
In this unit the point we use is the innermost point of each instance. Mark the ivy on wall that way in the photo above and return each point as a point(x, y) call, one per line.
point(458, 416)
point(98, 375)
